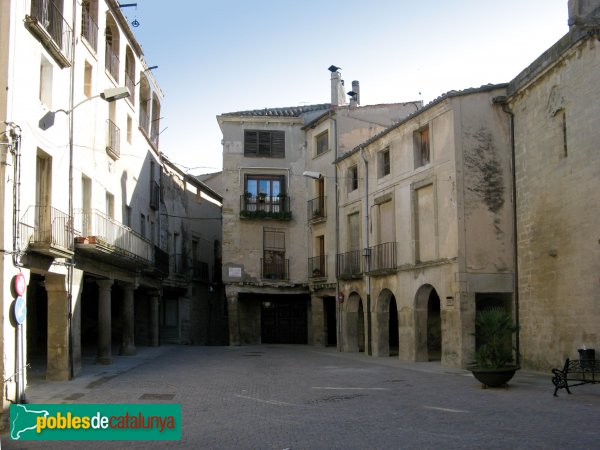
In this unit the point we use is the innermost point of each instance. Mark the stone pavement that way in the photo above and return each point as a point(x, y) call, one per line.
point(300, 397)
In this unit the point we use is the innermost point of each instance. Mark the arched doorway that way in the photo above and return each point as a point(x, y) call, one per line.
point(360, 335)
point(393, 335)
point(428, 324)
point(434, 327)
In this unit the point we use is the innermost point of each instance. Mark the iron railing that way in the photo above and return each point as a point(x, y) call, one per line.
point(264, 206)
point(111, 62)
point(275, 270)
point(317, 266)
point(316, 209)
point(113, 139)
point(89, 29)
point(144, 120)
point(50, 18)
point(47, 226)
point(383, 257)
point(349, 264)
point(97, 228)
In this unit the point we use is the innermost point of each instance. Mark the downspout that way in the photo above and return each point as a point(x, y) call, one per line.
point(71, 262)
point(337, 233)
point(367, 251)
point(502, 101)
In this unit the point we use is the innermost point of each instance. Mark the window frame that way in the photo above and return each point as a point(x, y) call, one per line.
point(320, 139)
point(353, 178)
point(264, 143)
point(384, 162)
point(422, 146)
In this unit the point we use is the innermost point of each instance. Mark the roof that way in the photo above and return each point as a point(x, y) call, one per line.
point(441, 98)
point(289, 111)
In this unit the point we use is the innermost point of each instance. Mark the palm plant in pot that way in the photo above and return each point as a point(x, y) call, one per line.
point(494, 358)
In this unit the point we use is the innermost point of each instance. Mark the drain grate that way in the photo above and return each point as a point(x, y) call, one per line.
point(157, 397)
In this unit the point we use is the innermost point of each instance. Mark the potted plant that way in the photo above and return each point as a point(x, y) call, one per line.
point(494, 358)
point(261, 196)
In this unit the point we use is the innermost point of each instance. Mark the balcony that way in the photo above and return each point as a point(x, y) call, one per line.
point(200, 271)
point(47, 24)
point(89, 30)
point(317, 267)
point(113, 140)
point(130, 85)
point(47, 231)
point(316, 210)
point(111, 62)
point(275, 270)
point(106, 239)
point(265, 207)
point(383, 258)
point(350, 265)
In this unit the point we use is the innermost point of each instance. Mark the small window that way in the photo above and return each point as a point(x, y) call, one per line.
point(353, 178)
point(87, 80)
point(143, 225)
point(110, 205)
point(383, 163)
point(267, 144)
point(46, 83)
point(129, 128)
point(561, 118)
point(322, 142)
point(422, 149)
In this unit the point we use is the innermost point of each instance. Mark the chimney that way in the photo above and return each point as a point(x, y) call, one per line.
point(355, 94)
point(337, 87)
point(583, 12)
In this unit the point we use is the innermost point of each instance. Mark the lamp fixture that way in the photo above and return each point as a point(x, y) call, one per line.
point(313, 175)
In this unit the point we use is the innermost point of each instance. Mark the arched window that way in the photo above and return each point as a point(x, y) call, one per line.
point(89, 22)
point(154, 129)
point(144, 103)
point(111, 54)
point(130, 74)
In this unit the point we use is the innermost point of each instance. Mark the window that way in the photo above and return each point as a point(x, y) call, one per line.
point(352, 178)
point(561, 119)
point(265, 185)
point(110, 205)
point(422, 153)
point(46, 83)
point(268, 144)
point(274, 264)
point(383, 163)
point(127, 216)
point(322, 142)
point(129, 128)
point(87, 80)
point(143, 225)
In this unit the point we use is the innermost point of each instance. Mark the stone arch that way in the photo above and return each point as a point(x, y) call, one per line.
point(353, 323)
point(428, 324)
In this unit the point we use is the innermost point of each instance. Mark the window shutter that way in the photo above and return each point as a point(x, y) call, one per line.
point(278, 144)
point(250, 142)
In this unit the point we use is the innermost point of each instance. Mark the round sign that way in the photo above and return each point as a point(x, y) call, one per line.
point(20, 310)
point(20, 284)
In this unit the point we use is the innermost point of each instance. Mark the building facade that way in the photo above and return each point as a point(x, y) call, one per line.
point(554, 110)
point(426, 230)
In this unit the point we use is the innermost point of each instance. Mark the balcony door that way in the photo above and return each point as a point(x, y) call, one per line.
point(43, 193)
point(86, 205)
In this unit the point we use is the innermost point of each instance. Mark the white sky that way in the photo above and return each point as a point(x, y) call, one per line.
point(221, 56)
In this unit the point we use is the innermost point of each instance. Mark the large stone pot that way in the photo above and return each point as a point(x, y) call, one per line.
point(494, 377)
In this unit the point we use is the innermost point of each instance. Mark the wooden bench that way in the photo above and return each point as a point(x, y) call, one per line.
point(575, 373)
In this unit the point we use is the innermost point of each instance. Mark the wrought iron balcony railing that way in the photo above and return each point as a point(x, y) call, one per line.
point(113, 139)
point(144, 119)
point(89, 29)
point(112, 237)
point(316, 209)
point(350, 264)
point(317, 266)
point(383, 257)
point(46, 19)
point(275, 270)
point(111, 62)
point(46, 230)
point(130, 84)
point(265, 207)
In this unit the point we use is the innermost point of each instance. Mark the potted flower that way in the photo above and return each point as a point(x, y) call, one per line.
point(261, 196)
point(494, 358)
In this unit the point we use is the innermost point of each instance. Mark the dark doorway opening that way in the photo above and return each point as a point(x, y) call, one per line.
point(394, 338)
point(284, 320)
point(434, 327)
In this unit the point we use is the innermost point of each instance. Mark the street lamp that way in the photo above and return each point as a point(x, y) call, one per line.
point(110, 95)
point(313, 175)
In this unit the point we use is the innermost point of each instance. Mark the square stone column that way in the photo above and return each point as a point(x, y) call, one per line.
point(233, 312)
point(104, 322)
point(127, 343)
point(154, 304)
point(58, 328)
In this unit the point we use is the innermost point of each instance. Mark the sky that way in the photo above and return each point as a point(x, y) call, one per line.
point(218, 56)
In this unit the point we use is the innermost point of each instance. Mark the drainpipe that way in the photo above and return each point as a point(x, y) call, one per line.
point(502, 101)
point(367, 251)
point(337, 233)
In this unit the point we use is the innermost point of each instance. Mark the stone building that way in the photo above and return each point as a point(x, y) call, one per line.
point(426, 230)
point(554, 108)
point(80, 191)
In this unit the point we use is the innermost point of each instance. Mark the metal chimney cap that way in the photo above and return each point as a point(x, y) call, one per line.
point(333, 68)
